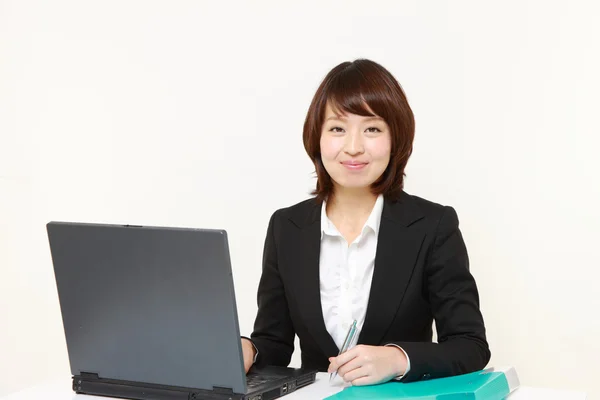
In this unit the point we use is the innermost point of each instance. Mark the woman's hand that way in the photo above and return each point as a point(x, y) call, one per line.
point(249, 352)
point(369, 365)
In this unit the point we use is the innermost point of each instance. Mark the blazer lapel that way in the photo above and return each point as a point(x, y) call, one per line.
point(306, 273)
point(397, 249)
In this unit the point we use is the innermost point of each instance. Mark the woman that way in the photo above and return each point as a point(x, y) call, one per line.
point(363, 249)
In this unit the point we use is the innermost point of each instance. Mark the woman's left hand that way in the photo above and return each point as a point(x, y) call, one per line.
point(369, 365)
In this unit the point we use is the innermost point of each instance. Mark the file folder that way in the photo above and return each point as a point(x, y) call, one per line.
point(488, 384)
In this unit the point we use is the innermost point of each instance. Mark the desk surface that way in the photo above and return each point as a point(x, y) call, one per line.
point(61, 390)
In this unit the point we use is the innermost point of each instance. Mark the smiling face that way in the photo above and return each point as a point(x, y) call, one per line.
point(355, 149)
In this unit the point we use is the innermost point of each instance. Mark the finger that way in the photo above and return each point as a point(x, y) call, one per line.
point(356, 374)
point(349, 366)
point(344, 358)
point(364, 380)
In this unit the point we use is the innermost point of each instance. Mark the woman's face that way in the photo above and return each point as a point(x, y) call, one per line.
point(355, 150)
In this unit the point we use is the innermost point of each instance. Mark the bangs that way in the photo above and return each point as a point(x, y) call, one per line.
point(352, 92)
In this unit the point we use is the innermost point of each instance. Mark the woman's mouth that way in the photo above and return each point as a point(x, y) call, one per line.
point(354, 165)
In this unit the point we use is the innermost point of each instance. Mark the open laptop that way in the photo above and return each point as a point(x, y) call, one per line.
point(150, 313)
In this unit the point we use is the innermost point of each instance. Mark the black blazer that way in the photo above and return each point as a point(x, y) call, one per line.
point(421, 274)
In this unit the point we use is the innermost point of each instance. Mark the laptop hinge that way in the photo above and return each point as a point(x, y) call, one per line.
point(89, 375)
point(222, 390)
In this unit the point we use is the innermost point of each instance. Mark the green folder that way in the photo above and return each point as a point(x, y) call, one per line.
point(489, 384)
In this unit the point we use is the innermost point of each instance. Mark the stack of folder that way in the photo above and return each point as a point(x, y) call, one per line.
point(488, 384)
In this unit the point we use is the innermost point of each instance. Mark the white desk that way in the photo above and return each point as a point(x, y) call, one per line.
point(320, 389)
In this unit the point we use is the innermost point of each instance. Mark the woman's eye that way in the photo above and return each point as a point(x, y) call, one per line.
point(336, 129)
point(373, 130)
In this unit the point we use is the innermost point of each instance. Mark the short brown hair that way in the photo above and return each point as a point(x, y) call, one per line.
point(348, 87)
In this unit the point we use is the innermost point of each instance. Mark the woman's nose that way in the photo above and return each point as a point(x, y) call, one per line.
point(354, 144)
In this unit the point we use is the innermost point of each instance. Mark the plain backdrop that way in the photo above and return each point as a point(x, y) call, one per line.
point(190, 113)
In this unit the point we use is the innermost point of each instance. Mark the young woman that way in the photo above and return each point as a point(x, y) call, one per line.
point(364, 250)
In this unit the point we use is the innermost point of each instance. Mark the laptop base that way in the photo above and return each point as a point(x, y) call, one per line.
point(91, 384)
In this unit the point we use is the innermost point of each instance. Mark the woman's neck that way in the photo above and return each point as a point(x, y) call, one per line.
point(351, 204)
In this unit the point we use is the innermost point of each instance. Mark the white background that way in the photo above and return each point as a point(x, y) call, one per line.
point(190, 113)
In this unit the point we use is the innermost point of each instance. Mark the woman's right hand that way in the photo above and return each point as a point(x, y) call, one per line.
point(249, 352)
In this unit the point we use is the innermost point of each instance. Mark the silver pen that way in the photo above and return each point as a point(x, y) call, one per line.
point(349, 337)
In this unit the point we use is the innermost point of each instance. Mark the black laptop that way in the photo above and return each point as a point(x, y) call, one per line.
point(150, 313)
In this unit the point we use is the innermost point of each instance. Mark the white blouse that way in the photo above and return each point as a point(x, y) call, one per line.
point(345, 274)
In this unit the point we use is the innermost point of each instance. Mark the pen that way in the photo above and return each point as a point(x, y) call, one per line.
point(347, 341)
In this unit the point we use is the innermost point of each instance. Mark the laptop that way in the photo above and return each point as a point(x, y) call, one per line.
point(150, 313)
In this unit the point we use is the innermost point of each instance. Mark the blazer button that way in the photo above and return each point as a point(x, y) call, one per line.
point(426, 376)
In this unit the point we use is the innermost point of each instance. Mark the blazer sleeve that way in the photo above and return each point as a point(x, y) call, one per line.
point(462, 346)
point(273, 334)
